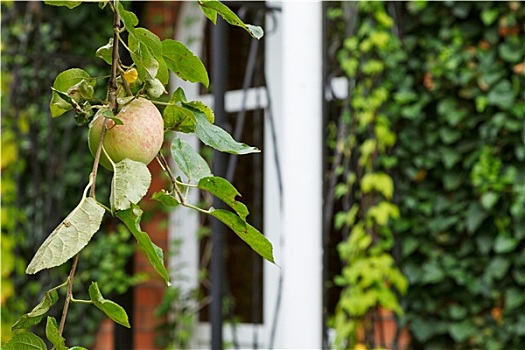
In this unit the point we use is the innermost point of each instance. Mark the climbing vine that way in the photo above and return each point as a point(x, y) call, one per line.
point(370, 276)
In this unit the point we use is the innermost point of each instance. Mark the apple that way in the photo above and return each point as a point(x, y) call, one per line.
point(139, 138)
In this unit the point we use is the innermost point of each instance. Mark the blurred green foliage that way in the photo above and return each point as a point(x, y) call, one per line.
point(457, 109)
point(46, 162)
point(461, 169)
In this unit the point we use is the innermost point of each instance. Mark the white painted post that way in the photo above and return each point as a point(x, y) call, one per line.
point(298, 110)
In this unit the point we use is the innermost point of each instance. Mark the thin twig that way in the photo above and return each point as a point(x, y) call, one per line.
point(166, 167)
point(182, 199)
point(112, 95)
point(112, 101)
point(69, 294)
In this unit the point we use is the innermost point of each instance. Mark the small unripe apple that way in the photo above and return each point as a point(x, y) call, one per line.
point(139, 138)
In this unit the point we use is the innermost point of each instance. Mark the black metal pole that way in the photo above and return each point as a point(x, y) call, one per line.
point(219, 80)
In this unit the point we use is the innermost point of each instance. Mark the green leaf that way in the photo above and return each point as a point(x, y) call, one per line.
point(53, 334)
point(67, 101)
point(448, 108)
point(246, 232)
point(106, 112)
point(179, 114)
point(153, 43)
point(224, 190)
point(189, 161)
point(489, 199)
point(457, 311)
point(514, 298)
point(497, 267)
point(106, 52)
point(129, 19)
point(426, 328)
point(501, 95)
point(450, 157)
point(63, 82)
point(181, 61)
point(176, 116)
point(81, 90)
point(211, 14)
point(475, 217)
point(25, 341)
point(505, 244)
point(35, 316)
point(147, 65)
point(131, 181)
point(165, 198)
point(67, 3)
point(449, 135)
point(70, 237)
point(461, 331)
point(131, 218)
point(217, 138)
point(432, 272)
point(110, 308)
point(203, 108)
point(511, 52)
point(489, 15)
point(229, 16)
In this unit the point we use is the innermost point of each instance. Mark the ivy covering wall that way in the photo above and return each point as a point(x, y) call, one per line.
point(448, 130)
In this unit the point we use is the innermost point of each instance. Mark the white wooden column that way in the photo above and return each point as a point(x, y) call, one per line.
point(297, 102)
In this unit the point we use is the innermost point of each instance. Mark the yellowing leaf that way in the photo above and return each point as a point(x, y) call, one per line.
point(379, 182)
point(382, 212)
point(9, 151)
point(131, 75)
point(70, 237)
